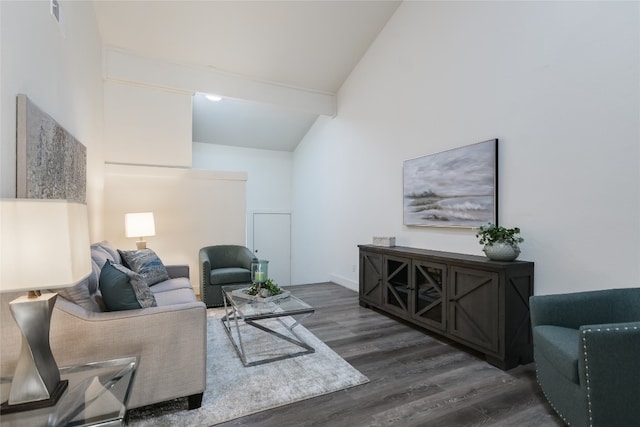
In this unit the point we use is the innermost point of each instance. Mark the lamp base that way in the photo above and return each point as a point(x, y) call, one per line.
point(5, 408)
point(37, 376)
point(141, 244)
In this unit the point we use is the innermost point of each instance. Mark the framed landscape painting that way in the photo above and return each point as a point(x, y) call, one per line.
point(454, 188)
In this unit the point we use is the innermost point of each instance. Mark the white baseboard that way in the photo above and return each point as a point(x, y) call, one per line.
point(343, 281)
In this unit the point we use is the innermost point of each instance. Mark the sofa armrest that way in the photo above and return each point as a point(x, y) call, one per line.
point(585, 308)
point(79, 336)
point(178, 270)
point(609, 366)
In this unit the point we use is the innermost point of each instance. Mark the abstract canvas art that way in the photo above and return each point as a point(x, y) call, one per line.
point(454, 188)
point(50, 162)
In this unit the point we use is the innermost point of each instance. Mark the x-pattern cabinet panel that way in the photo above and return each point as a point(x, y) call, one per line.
point(396, 280)
point(428, 299)
point(371, 278)
point(477, 302)
point(474, 297)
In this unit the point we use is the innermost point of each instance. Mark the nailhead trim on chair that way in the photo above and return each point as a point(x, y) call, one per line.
point(586, 373)
point(549, 401)
point(586, 363)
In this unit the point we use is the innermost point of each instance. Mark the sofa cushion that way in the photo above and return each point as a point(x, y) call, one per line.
point(221, 276)
point(103, 252)
point(83, 293)
point(561, 347)
point(123, 289)
point(109, 250)
point(146, 263)
point(177, 296)
point(171, 285)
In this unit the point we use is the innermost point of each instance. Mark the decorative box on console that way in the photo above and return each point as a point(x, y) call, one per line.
point(384, 241)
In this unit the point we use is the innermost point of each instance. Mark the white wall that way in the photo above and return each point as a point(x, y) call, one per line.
point(59, 67)
point(269, 172)
point(152, 162)
point(191, 208)
point(148, 135)
point(269, 176)
point(147, 125)
point(556, 82)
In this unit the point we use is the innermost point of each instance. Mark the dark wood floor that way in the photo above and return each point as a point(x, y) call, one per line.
point(415, 379)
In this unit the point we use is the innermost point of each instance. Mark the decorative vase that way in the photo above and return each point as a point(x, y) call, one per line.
point(501, 251)
point(259, 272)
point(264, 293)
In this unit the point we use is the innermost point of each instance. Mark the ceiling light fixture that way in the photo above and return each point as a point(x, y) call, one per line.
point(214, 98)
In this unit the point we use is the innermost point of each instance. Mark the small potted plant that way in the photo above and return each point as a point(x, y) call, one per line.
point(264, 290)
point(500, 243)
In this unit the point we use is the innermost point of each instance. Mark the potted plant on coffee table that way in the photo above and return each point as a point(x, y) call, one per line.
point(264, 290)
point(500, 243)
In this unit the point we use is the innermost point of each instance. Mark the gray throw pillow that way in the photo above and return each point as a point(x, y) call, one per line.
point(146, 263)
point(123, 289)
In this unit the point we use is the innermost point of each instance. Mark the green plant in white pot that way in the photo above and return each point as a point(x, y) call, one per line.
point(500, 243)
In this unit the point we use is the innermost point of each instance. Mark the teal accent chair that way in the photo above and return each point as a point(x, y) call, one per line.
point(223, 265)
point(586, 347)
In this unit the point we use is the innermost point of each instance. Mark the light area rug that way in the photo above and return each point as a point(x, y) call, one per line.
point(234, 391)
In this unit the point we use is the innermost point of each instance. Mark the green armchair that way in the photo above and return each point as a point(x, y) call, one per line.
point(223, 265)
point(586, 347)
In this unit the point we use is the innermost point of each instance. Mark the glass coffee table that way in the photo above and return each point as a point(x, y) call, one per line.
point(97, 394)
point(243, 310)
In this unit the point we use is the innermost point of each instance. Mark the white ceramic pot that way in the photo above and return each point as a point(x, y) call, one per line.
point(501, 251)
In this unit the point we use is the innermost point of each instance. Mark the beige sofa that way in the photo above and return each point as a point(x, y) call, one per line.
point(170, 339)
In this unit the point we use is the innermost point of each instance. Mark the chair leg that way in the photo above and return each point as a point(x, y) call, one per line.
point(195, 401)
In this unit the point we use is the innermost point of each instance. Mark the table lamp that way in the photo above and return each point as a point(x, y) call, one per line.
point(139, 225)
point(44, 244)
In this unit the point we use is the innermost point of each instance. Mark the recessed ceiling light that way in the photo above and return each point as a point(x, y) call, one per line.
point(212, 97)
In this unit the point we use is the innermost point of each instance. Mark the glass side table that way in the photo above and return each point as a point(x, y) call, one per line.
point(98, 394)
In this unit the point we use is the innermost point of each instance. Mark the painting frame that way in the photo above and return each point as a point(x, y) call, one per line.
point(50, 162)
point(452, 188)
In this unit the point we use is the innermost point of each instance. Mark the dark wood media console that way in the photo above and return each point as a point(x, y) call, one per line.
point(469, 299)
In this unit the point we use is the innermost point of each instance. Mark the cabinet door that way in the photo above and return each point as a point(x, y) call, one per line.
point(371, 277)
point(396, 284)
point(473, 307)
point(428, 296)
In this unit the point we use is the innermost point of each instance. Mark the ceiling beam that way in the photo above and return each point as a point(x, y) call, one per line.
point(125, 66)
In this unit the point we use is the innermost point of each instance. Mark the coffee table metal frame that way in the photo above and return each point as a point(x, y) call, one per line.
point(286, 307)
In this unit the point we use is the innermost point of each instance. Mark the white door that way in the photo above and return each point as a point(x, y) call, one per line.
point(272, 241)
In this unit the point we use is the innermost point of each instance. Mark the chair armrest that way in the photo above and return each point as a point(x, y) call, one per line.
point(609, 365)
point(585, 308)
point(205, 268)
point(247, 257)
point(179, 270)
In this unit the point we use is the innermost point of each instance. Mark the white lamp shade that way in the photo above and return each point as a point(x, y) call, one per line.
point(139, 224)
point(44, 244)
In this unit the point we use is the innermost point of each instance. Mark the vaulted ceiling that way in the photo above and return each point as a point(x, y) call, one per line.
point(309, 45)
